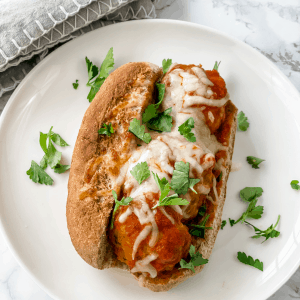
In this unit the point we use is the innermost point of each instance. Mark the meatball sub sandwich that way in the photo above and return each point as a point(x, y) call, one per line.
point(149, 171)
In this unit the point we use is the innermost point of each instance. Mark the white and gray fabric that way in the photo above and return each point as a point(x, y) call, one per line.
point(29, 29)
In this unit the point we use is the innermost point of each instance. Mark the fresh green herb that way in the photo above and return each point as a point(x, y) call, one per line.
point(162, 122)
point(166, 65)
point(152, 110)
point(95, 81)
point(199, 230)
point(250, 193)
point(38, 174)
point(140, 172)
point(165, 188)
point(295, 185)
point(220, 177)
point(252, 212)
point(248, 260)
point(186, 128)
point(139, 145)
point(52, 157)
point(231, 222)
point(270, 232)
point(196, 260)
point(202, 210)
point(243, 123)
point(106, 129)
point(123, 201)
point(254, 161)
point(181, 182)
point(224, 222)
point(139, 131)
point(75, 84)
point(216, 66)
point(61, 168)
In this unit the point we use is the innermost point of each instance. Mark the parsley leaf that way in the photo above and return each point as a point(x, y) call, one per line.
point(252, 212)
point(248, 260)
point(216, 66)
point(295, 185)
point(250, 193)
point(181, 182)
point(106, 129)
point(96, 82)
point(75, 84)
point(196, 260)
point(243, 123)
point(254, 161)
point(185, 130)
point(199, 230)
point(38, 175)
point(219, 178)
point(202, 210)
point(162, 122)
point(140, 172)
point(232, 222)
point(61, 168)
point(151, 110)
point(139, 131)
point(270, 232)
point(166, 65)
point(224, 222)
point(165, 188)
point(123, 201)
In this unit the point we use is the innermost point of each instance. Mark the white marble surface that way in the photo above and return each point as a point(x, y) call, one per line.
point(271, 27)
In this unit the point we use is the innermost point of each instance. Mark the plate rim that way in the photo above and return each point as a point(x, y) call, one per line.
point(182, 23)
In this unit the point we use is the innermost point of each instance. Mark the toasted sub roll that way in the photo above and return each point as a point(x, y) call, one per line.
point(150, 242)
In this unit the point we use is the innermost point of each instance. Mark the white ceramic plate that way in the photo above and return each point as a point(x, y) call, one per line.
point(33, 216)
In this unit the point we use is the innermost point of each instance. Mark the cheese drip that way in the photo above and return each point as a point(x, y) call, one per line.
point(167, 148)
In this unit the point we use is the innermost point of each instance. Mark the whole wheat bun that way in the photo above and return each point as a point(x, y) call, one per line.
point(90, 202)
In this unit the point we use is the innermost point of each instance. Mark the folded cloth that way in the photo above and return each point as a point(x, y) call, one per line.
point(29, 28)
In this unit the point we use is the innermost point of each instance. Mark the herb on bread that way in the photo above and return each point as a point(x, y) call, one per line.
point(106, 129)
point(161, 123)
point(248, 260)
point(38, 175)
point(254, 161)
point(165, 188)
point(216, 66)
point(139, 131)
point(202, 210)
point(186, 128)
point(123, 201)
point(140, 172)
point(295, 185)
point(219, 178)
point(242, 120)
point(199, 230)
point(75, 84)
point(270, 232)
point(196, 260)
point(95, 81)
point(181, 182)
point(223, 224)
point(166, 65)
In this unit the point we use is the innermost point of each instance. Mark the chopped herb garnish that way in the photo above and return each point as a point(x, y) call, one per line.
point(254, 161)
point(199, 230)
point(181, 182)
point(75, 84)
point(216, 66)
point(243, 123)
point(224, 222)
point(196, 260)
point(295, 185)
point(123, 201)
point(166, 65)
point(38, 175)
point(219, 178)
point(139, 130)
point(231, 222)
point(252, 212)
point(186, 128)
point(106, 129)
point(248, 260)
point(140, 172)
point(95, 81)
point(270, 232)
point(162, 122)
point(250, 193)
point(202, 210)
